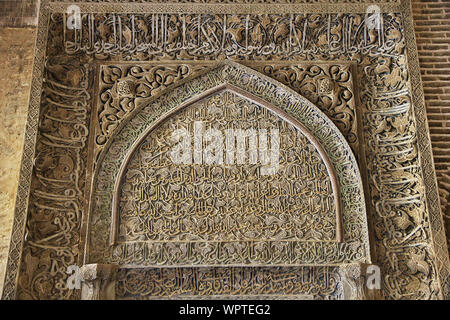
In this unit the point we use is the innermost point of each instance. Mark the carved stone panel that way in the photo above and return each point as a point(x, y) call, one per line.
point(224, 190)
point(99, 91)
point(305, 283)
point(136, 182)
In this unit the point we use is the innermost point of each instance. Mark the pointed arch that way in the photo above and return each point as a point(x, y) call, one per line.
point(245, 94)
point(352, 240)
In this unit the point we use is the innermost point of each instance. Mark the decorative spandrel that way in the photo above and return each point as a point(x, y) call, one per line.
point(223, 190)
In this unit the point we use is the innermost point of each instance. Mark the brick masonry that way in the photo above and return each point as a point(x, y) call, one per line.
point(432, 26)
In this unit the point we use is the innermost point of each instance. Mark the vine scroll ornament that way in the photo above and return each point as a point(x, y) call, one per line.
point(367, 82)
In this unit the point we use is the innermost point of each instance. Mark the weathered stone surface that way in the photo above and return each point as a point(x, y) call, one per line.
point(16, 52)
point(18, 13)
point(431, 25)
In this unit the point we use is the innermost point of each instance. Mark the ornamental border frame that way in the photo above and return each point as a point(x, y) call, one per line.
point(31, 129)
point(243, 93)
point(289, 114)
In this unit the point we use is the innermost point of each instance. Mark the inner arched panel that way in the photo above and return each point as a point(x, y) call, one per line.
point(184, 183)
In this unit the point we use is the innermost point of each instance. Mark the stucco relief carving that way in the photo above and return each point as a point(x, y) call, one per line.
point(305, 283)
point(404, 216)
point(355, 245)
point(204, 36)
point(123, 87)
point(228, 198)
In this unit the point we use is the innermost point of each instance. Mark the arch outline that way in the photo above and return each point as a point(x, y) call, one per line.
point(267, 92)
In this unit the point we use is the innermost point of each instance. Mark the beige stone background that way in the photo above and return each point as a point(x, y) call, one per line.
point(432, 26)
point(16, 59)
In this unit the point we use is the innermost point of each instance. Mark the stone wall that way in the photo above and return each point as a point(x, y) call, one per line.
point(18, 13)
point(16, 58)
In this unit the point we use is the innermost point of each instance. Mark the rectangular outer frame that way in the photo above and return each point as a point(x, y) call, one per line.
point(439, 261)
